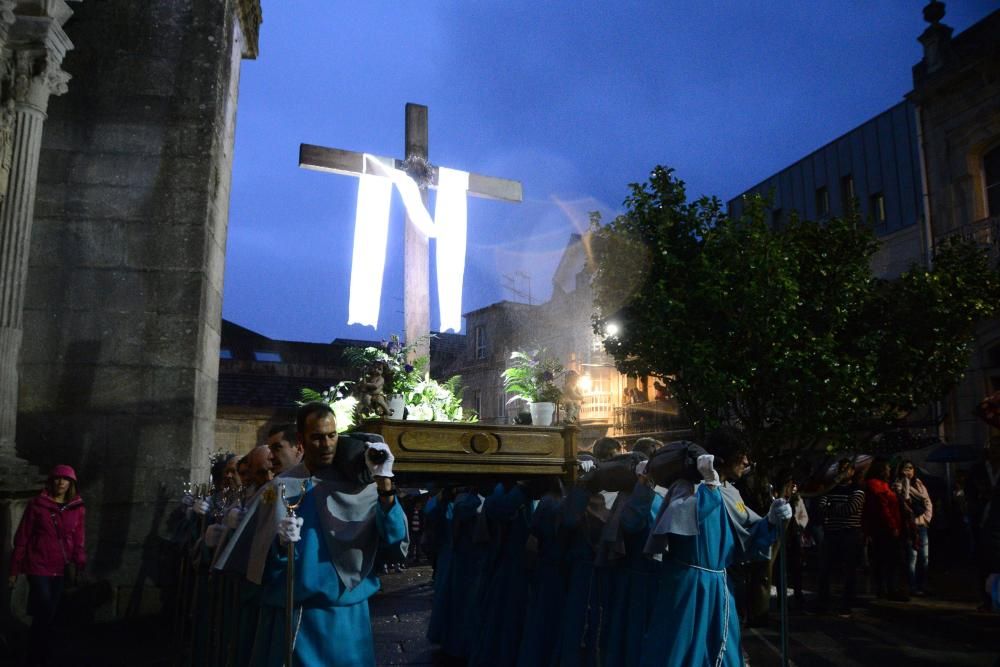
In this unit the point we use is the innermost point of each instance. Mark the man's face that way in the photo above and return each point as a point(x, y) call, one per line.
point(259, 468)
point(319, 441)
point(738, 468)
point(284, 455)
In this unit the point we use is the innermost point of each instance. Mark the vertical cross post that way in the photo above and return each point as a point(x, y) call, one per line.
point(416, 266)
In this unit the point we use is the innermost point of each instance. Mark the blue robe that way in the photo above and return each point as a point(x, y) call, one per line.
point(333, 622)
point(581, 617)
point(694, 617)
point(438, 520)
point(631, 582)
point(540, 638)
point(465, 580)
point(509, 513)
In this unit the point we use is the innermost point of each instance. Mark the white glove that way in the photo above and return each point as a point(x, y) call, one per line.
point(586, 465)
point(381, 469)
point(708, 472)
point(234, 516)
point(187, 500)
point(290, 529)
point(780, 511)
point(640, 467)
point(201, 507)
point(213, 535)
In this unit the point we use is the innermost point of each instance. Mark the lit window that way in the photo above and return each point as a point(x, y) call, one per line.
point(877, 208)
point(267, 356)
point(847, 192)
point(480, 343)
point(225, 353)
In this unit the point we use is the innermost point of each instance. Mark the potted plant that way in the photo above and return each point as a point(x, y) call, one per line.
point(531, 377)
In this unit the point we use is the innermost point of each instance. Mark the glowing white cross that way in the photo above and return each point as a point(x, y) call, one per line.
point(377, 177)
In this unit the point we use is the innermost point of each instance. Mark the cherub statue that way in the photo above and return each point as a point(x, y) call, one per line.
point(372, 398)
point(572, 397)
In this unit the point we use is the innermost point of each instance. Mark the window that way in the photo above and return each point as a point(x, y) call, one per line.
point(776, 215)
point(225, 353)
point(847, 195)
point(267, 356)
point(480, 342)
point(502, 407)
point(877, 209)
point(822, 202)
point(991, 176)
point(477, 402)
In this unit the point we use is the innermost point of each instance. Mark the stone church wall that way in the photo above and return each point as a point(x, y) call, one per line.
point(122, 313)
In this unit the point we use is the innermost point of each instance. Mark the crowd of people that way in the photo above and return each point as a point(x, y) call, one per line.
point(882, 515)
point(279, 556)
point(612, 571)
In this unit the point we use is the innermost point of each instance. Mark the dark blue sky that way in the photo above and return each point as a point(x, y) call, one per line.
point(574, 99)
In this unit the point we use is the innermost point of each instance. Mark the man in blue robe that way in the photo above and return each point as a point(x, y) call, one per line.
point(341, 520)
point(703, 529)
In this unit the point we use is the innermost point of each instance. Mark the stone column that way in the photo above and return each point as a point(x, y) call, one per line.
point(37, 46)
point(33, 48)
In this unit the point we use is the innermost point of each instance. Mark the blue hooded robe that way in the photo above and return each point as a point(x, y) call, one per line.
point(694, 622)
point(344, 525)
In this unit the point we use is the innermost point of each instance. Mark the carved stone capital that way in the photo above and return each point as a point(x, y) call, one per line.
point(38, 45)
point(37, 77)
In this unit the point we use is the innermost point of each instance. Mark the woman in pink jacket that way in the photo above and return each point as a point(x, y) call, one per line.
point(49, 549)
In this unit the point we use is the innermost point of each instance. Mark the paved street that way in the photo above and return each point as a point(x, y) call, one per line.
point(922, 633)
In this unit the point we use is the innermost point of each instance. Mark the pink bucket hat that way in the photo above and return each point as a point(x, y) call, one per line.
point(63, 470)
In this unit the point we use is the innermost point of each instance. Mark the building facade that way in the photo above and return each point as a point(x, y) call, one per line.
point(921, 172)
point(614, 404)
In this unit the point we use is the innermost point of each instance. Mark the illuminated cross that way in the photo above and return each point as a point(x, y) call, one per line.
point(416, 274)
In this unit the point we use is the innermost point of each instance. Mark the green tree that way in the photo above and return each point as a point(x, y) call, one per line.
point(783, 331)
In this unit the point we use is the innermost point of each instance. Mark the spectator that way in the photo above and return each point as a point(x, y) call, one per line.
point(49, 549)
point(841, 509)
point(883, 526)
point(917, 507)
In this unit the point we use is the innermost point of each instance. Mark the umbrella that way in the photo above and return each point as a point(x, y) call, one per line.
point(954, 454)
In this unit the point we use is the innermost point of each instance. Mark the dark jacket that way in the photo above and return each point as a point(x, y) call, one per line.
point(49, 537)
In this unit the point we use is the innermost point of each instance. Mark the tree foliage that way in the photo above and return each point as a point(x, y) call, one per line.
point(785, 332)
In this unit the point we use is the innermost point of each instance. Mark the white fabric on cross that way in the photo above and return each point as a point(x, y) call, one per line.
point(371, 232)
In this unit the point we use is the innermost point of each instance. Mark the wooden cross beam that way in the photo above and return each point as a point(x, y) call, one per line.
point(416, 273)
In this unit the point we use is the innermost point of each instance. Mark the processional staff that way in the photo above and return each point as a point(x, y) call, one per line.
point(290, 507)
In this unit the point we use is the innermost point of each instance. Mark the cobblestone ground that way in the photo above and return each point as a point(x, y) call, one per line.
point(400, 613)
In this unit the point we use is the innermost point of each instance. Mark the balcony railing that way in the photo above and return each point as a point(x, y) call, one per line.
point(985, 233)
point(649, 417)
